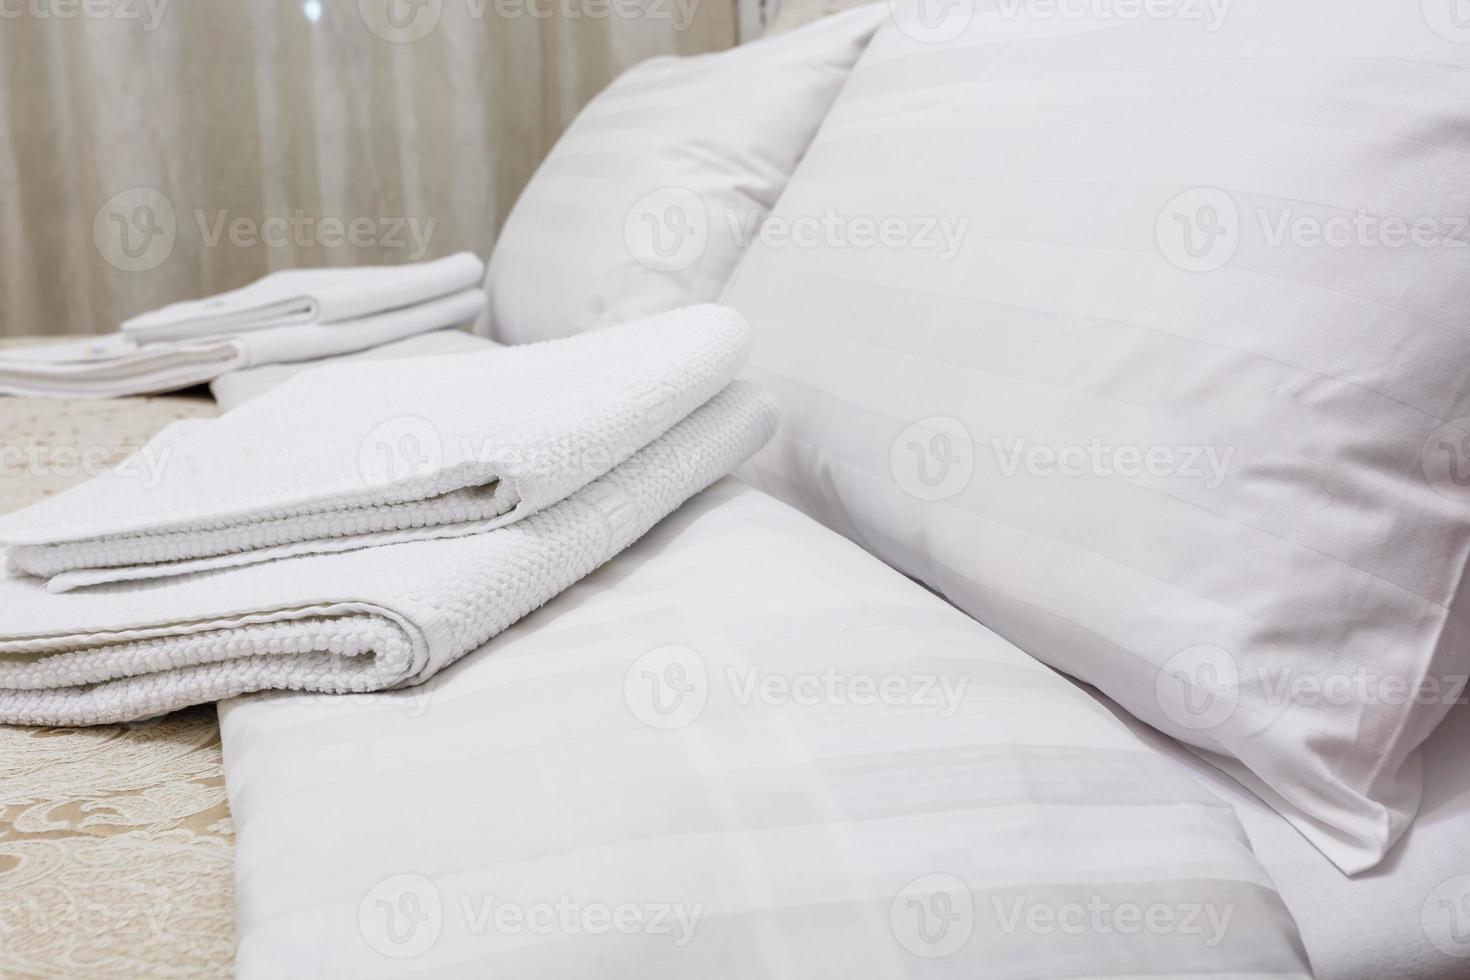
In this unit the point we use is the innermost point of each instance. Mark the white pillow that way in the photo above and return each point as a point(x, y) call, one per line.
point(1256, 533)
point(645, 203)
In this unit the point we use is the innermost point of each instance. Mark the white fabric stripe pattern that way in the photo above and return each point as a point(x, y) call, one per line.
point(772, 831)
point(1105, 390)
point(1389, 923)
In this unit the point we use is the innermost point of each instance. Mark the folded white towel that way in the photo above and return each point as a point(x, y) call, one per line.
point(362, 621)
point(294, 297)
point(116, 365)
point(381, 452)
point(239, 387)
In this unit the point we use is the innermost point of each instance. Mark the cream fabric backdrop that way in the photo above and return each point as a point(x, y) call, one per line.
point(156, 150)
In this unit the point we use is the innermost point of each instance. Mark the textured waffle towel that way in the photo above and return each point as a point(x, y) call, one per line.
point(365, 620)
point(378, 453)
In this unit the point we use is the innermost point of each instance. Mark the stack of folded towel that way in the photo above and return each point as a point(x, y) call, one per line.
point(364, 524)
point(285, 317)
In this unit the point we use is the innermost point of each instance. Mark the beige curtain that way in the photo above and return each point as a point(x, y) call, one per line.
point(157, 150)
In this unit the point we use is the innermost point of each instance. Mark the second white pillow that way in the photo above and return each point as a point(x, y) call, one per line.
point(650, 197)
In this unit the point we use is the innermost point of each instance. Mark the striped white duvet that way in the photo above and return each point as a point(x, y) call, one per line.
point(745, 749)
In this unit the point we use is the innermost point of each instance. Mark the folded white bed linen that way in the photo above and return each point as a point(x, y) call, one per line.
point(112, 366)
point(115, 365)
point(294, 297)
point(245, 385)
point(1409, 917)
point(745, 749)
point(363, 621)
point(378, 452)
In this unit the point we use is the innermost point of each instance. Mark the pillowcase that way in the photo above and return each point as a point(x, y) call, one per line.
point(1143, 339)
point(647, 200)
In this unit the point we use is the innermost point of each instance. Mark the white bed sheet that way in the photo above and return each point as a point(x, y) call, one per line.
point(1408, 918)
point(818, 833)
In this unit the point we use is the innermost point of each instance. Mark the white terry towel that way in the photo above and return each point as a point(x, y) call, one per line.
point(116, 365)
point(380, 452)
point(295, 297)
point(362, 621)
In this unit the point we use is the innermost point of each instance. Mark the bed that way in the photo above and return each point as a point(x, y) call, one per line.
point(137, 832)
point(618, 757)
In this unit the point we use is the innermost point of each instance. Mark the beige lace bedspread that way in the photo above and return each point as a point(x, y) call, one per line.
point(116, 848)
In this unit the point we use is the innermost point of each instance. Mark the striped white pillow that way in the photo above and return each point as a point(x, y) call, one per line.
point(645, 203)
point(1140, 332)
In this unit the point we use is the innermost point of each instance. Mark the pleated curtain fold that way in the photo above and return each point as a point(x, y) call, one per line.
point(158, 150)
